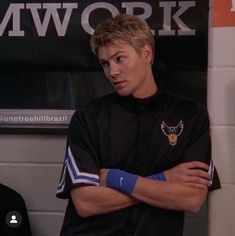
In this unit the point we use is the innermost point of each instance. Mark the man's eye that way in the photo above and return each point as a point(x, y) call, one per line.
point(104, 64)
point(119, 59)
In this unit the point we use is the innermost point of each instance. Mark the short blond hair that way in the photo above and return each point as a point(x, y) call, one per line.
point(127, 28)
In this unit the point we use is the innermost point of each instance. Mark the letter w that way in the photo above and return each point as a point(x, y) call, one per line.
point(51, 10)
point(14, 11)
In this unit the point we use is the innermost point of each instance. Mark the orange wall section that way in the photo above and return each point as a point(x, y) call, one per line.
point(223, 13)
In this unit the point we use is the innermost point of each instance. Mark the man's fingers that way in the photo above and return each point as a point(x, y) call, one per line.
point(198, 186)
point(190, 172)
point(198, 180)
point(199, 173)
point(196, 165)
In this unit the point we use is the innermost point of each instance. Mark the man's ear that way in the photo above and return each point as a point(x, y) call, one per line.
point(147, 53)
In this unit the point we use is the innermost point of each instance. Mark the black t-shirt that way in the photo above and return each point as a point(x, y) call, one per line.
point(13, 213)
point(140, 136)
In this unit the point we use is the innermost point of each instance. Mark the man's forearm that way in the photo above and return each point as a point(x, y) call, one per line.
point(169, 195)
point(95, 200)
point(185, 188)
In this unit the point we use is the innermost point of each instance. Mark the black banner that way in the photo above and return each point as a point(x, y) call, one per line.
point(57, 33)
point(46, 61)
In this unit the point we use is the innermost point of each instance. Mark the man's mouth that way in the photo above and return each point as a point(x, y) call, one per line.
point(118, 84)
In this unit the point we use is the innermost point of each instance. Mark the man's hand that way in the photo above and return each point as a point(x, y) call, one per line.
point(194, 174)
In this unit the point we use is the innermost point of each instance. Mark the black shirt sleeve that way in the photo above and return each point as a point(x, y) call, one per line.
point(81, 164)
point(199, 147)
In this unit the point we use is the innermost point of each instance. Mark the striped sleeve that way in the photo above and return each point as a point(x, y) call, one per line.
point(81, 165)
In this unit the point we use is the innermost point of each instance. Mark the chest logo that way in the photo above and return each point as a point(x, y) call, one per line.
point(172, 132)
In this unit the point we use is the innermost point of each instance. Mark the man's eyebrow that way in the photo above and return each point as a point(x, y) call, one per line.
point(110, 57)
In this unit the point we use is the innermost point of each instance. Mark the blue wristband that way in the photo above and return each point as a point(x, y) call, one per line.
point(160, 176)
point(121, 180)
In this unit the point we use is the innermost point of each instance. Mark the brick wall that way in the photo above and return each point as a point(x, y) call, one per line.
point(221, 105)
point(31, 165)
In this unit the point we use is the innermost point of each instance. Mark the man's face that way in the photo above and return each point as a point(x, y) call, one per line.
point(127, 69)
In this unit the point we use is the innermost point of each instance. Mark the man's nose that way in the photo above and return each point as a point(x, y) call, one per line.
point(113, 70)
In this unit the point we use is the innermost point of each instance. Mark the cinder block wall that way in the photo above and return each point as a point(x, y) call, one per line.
point(31, 164)
point(221, 104)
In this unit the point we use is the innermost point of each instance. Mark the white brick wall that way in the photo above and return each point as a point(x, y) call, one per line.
point(31, 165)
point(221, 105)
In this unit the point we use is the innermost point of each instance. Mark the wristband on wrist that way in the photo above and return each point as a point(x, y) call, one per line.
point(159, 176)
point(121, 180)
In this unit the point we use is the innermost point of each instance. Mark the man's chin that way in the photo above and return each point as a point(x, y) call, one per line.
point(123, 92)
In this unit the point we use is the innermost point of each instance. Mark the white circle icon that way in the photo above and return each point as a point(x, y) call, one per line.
point(13, 219)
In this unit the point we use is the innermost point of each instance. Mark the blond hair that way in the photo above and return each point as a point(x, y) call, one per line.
point(126, 28)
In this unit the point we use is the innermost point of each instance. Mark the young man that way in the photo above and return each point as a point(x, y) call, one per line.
point(137, 159)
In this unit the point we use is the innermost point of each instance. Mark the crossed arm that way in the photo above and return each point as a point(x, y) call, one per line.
point(184, 190)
